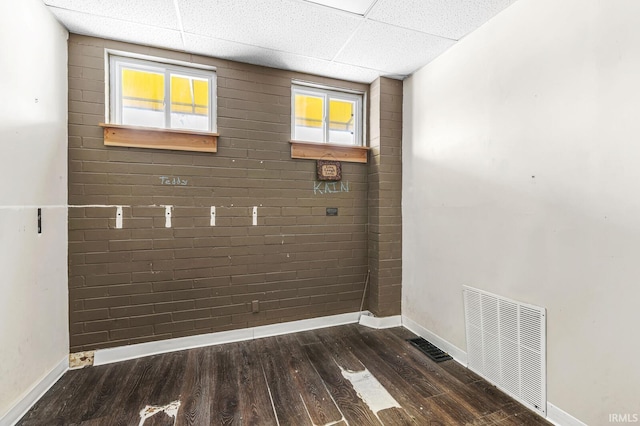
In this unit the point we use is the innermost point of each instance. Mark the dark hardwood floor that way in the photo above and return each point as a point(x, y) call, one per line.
point(298, 379)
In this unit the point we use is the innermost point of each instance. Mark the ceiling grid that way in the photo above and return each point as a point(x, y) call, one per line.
point(357, 40)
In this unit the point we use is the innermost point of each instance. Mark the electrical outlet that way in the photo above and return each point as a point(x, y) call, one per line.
point(255, 306)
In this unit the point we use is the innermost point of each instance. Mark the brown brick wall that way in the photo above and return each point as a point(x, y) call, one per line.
point(385, 197)
point(146, 282)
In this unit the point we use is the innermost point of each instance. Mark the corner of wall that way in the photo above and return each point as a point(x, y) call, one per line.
point(385, 197)
point(33, 153)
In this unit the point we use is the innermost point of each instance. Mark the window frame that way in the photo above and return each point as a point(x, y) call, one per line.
point(115, 60)
point(328, 93)
point(166, 138)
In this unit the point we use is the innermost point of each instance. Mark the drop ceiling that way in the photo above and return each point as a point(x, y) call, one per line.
point(356, 40)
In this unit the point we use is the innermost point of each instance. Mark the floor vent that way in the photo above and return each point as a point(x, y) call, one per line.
point(506, 344)
point(433, 352)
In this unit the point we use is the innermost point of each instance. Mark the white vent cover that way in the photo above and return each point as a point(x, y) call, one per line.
point(506, 344)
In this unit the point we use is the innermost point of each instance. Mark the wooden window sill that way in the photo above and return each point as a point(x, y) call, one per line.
point(326, 151)
point(149, 137)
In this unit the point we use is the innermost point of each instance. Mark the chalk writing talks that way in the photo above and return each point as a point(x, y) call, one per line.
point(320, 188)
point(176, 181)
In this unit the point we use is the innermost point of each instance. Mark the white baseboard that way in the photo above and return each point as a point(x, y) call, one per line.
point(457, 353)
point(560, 417)
point(105, 356)
point(123, 353)
point(304, 325)
point(35, 393)
point(555, 415)
point(380, 322)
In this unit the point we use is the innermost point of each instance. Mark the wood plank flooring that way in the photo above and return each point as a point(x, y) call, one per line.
point(297, 380)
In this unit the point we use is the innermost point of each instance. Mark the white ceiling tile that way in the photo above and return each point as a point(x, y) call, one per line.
point(271, 58)
point(335, 70)
point(399, 51)
point(284, 25)
point(359, 7)
point(158, 13)
point(446, 18)
point(394, 38)
point(81, 23)
point(230, 50)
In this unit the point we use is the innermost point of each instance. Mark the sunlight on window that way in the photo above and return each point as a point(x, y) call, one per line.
point(166, 96)
point(309, 117)
point(142, 98)
point(341, 121)
point(312, 124)
point(189, 102)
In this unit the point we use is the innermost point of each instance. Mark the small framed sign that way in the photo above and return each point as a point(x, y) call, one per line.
point(329, 170)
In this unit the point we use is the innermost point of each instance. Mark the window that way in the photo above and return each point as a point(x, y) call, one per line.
point(326, 116)
point(178, 99)
point(152, 94)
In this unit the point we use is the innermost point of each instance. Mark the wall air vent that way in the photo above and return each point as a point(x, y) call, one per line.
point(506, 344)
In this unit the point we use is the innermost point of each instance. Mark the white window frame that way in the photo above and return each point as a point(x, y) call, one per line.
point(328, 93)
point(117, 60)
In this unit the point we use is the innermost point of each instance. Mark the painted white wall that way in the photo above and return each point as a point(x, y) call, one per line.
point(34, 336)
point(522, 177)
